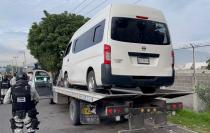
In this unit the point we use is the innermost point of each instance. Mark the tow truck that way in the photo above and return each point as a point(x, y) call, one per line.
point(144, 112)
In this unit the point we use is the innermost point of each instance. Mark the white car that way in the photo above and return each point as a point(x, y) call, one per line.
point(123, 45)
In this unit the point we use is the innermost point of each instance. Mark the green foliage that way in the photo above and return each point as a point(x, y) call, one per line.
point(199, 122)
point(208, 61)
point(49, 37)
point(204, 94)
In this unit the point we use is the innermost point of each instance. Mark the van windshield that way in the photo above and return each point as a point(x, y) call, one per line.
point(139, 31)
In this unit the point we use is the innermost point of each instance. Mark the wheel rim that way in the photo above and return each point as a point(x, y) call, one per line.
point(91, 84)
point(71, 112)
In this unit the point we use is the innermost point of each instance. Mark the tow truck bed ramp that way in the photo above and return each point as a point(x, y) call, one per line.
point(116, 93)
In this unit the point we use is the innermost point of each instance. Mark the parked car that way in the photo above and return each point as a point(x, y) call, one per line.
point(123, 45)
point(40, 79)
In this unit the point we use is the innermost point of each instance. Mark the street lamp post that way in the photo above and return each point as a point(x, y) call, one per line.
point(24, 55)
point(16, 69)
point(12, 67)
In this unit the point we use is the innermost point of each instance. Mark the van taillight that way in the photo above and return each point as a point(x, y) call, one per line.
point(107, 54)
point(173, 58)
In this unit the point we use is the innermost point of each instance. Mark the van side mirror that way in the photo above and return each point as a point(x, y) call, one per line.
point(62, 53)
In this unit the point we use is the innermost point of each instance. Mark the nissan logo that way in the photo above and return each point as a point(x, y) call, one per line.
point(143, 48)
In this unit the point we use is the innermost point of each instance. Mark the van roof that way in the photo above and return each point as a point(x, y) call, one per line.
point(129, 10)
point(126, 10)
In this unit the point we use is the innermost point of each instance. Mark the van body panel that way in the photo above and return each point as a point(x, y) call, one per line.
point(124, 69)
point(159, 66)
point(91, 57)
point(124, 64)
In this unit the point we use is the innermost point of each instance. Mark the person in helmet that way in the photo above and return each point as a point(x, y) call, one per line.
point(24, 99)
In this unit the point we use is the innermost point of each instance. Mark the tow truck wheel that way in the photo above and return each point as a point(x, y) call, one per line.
point(74, 112)
point(91, 82)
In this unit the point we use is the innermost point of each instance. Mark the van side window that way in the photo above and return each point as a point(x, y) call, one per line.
point(68, 49)
point(98, 34)
point(90, 37)
point(79, 45)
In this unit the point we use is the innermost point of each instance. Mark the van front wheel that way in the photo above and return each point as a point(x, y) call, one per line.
point(91, 82)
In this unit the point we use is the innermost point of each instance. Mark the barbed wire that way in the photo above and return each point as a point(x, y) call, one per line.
point(194, 45)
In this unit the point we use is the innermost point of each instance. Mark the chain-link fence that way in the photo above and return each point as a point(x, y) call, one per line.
point(191, 68)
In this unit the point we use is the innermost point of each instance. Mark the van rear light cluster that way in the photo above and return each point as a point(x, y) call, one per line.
point(114, 111)
point(173, 58)
point(107, 54)
point(174, 106)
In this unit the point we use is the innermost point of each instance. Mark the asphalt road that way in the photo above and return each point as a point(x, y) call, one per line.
point(54, 119)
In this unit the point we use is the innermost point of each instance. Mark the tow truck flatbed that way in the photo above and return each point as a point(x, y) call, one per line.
point(117, 93)
point(90, 107)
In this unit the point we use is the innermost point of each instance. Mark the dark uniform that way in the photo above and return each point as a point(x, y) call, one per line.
point(24, 100)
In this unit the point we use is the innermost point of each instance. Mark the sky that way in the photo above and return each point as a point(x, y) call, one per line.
point(188, 21)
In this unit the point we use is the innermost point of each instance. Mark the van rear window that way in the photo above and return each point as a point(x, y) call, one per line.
point(139, 31)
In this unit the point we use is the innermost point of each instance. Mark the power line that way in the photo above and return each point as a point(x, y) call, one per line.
point(194, 45)
point(78, 5)
point(136, 1)
point(89, 3)
point(96, 7)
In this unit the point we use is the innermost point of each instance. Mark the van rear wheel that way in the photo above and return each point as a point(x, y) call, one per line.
point(91, 82)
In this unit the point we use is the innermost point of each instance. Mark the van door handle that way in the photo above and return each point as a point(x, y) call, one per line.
point(67, 60)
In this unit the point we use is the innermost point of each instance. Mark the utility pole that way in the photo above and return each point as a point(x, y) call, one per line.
point(24, 56)
point(195, 97)
point(194, 73)
point(15, 57)
point(12, 67)
point(24, 53)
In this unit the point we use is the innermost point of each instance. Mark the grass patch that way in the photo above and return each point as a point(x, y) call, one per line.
point(199, 122)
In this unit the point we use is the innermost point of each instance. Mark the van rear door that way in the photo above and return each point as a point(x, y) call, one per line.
point(140, 47)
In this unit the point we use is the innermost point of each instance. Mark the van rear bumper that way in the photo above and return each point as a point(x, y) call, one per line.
point(108, 79)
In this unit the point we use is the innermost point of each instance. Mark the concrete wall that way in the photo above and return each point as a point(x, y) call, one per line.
point(184, 81)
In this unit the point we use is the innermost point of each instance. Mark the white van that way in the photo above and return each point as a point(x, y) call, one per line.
point(123, 45)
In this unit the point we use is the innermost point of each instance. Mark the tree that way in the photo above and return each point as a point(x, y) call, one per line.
point(208, 61)
point(48, 38)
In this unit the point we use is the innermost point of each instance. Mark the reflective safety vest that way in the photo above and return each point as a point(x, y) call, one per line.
point(21, 98)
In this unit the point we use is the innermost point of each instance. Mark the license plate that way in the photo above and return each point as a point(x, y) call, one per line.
point(141, 60)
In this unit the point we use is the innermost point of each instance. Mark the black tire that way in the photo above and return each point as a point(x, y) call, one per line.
point(149, 89)
point(91, 82)
point(74, 112)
